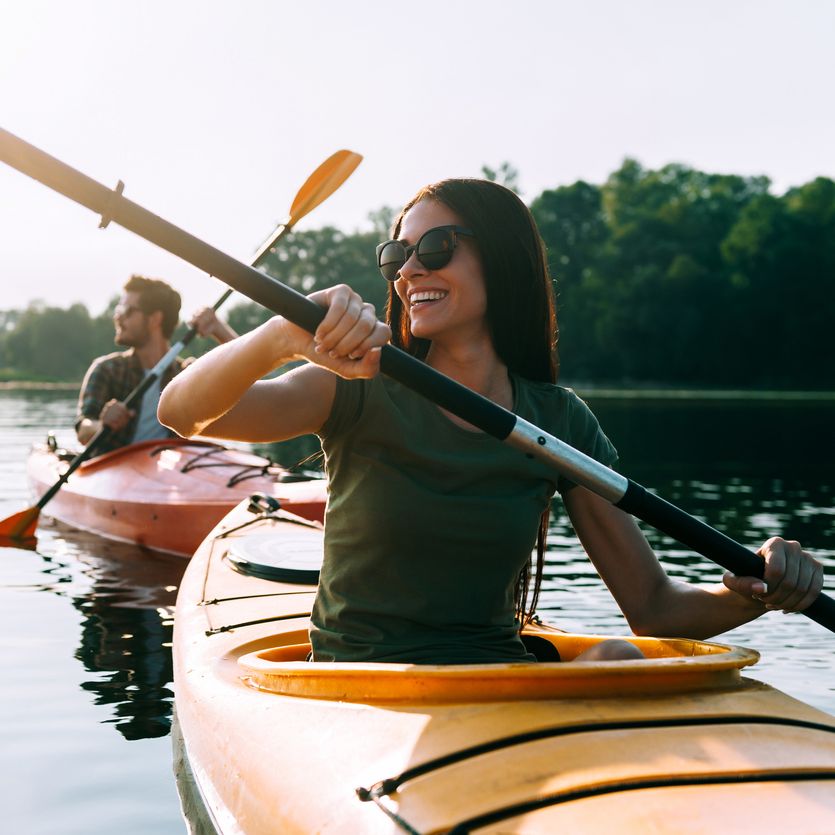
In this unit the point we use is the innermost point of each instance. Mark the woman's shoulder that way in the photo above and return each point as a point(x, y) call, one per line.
point(548, 395)
point(562, 412)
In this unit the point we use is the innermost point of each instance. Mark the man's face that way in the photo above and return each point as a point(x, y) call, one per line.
point(130, 322)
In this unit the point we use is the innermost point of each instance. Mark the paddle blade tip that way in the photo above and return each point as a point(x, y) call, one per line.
point(345, 156)
point(21, 526)
point(323, 182)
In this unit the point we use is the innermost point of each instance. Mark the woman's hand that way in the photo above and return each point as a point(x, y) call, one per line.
point(792, 580)
point(348, 340)
point(223, 393)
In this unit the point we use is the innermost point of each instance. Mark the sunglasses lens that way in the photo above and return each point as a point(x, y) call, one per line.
point(435, 249)
point(391, 257)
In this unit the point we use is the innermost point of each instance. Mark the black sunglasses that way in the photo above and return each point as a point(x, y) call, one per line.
point(434, 250)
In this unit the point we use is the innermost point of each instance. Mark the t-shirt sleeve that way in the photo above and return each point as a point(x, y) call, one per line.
point(348, 402)
point(585, 435)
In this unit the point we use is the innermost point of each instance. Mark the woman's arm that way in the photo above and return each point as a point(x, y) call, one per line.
point(222, 394)
point(655, 604)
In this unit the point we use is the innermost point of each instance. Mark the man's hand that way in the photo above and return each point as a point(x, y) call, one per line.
point(207, 323)
point(115, 415)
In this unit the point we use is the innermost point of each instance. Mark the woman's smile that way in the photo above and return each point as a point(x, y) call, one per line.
point(417, 297)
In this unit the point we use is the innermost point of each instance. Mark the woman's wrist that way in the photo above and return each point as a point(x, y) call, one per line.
point(287, 341)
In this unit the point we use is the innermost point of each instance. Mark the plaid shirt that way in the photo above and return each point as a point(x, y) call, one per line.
point(114, 377)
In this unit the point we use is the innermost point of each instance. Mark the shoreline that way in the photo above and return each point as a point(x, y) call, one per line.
point(635, 393)
point(589, 390)
point(22, 385)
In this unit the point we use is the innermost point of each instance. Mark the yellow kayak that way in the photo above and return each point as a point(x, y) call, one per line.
point(267, 742)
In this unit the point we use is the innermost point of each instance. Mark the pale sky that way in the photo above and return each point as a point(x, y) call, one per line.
point(214, 113)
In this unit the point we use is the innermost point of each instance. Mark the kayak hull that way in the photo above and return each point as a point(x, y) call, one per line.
point(164, 495)
point(268, 742)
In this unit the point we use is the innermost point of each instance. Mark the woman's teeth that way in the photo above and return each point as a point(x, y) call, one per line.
point(426, 296)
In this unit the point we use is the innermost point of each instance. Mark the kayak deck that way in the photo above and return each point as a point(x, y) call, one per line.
point(165, 495)
point(277, 743)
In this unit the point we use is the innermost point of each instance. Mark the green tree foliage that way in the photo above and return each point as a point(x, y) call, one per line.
point(505, 175)
point(49, 343)
point(781, 258)
point(573, 225)
point(665, 273)
point(670, 276)
point(382, 220)
point(677, 276)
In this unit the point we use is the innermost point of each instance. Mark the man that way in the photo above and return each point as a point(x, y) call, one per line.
point(144, 320)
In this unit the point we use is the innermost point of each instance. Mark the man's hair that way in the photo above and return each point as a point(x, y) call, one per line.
point(154, 295)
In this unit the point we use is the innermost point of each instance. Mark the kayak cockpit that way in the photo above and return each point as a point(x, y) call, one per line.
point(671, 665)
point(263, 566)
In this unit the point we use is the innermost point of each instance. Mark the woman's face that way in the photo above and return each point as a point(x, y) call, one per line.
point(450, 302)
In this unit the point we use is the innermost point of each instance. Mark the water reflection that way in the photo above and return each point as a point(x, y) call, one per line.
point(779, 439)
point(129, 647)
point(806, 515)
point(126, 598)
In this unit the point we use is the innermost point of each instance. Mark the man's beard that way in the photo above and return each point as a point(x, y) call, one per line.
point(128, 341)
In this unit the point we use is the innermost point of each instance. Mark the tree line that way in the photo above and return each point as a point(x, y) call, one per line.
point(663, 277)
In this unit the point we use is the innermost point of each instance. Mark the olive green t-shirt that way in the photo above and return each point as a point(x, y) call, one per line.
point(428, 524)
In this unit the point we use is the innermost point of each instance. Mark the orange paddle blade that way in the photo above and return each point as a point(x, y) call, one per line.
point(22, 525)
point(322, 183)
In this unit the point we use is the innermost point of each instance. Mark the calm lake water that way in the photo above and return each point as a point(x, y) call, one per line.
point(86, 624)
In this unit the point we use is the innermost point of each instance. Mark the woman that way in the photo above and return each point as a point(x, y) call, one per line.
point(430, 523)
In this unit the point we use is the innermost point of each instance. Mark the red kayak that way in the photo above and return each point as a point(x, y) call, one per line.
point(166, 495)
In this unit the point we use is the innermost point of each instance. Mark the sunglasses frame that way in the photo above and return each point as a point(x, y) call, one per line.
point(125, 311)
point(411, 249)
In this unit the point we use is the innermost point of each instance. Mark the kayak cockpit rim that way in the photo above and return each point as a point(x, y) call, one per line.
point(279, 665)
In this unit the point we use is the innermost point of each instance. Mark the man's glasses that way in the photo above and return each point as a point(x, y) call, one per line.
point(434, 250)
point(122, 311)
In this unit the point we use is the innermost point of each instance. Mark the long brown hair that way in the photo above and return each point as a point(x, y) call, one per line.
point(521, 312)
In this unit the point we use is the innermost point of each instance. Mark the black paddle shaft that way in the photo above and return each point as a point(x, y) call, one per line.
point(450, 395)
point(713, 544)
